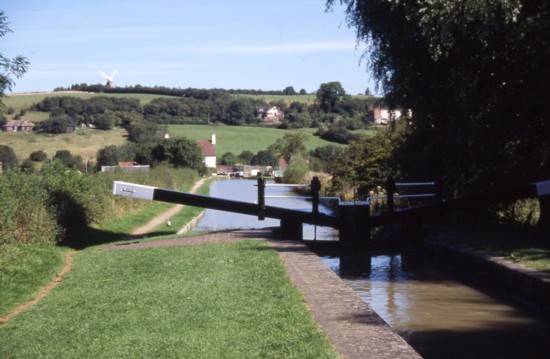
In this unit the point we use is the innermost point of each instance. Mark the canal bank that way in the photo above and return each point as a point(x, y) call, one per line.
point(439, 314)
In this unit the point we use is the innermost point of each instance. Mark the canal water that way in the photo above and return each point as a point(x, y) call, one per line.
point(441, 314)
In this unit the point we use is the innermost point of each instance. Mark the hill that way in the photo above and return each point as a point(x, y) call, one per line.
point(236, 139)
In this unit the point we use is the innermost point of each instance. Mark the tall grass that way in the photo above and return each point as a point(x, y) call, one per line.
point(58, 203)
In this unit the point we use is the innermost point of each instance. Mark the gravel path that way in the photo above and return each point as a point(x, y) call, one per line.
point(166, 215)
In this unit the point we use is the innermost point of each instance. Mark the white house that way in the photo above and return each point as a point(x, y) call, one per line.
point(208, 150)
point(270, 114)
point(383, 115)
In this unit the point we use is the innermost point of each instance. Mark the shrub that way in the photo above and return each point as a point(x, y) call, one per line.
point(7, 157)
point(38, 156)
point(297, 169)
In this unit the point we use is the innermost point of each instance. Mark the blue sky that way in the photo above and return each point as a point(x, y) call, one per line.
point(228, 44)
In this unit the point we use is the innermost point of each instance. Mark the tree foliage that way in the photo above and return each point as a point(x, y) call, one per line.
point(475, 74)
point(7, 157)
point(10, 68)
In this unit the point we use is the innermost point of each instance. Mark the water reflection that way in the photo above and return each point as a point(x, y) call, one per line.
point(438, 314)
point(244, 190)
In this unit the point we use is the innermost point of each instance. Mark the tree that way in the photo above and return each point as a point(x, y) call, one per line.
point(107, 156)
point(38, 156)
point(367, 92)
point(9, 67)
point(56, 124)
point(474, 73)
point(245, 157)
point(143, 132)
point(7, 157)
point(67, 158)
point(228, 159)
point(289, 90)
point(241, 110)
point(303, 92)
point(264, 158)
point(329, 95)
point(183, 152)
point(289, 145)
point(297, 169)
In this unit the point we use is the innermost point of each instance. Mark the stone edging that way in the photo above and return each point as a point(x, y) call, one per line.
point(352, 327)
point(188, 227)
point(521, 283)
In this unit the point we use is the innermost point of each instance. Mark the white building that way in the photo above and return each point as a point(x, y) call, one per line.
point(208, 150)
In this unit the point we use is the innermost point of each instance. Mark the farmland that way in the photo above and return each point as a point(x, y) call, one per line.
point(236, 139)
point(23, 101)
point(83, 142)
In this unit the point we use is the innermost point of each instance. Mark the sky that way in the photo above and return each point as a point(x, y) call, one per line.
point(247, 44)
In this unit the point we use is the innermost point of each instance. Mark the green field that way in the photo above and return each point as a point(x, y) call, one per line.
point(205, 301)
point(83, 142)
point(239, 138)
point(24, 101)
point(309, 99)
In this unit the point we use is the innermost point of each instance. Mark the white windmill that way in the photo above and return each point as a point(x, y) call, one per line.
point(109, 82)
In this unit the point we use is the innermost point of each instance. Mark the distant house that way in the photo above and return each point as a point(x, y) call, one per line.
point(383, 115)
point(270, 114)
point(18, 126)
point(208, 150)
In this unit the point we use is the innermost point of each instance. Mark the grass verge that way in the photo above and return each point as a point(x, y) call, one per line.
point(186, 214)
point(24, 269)
point(208, 301)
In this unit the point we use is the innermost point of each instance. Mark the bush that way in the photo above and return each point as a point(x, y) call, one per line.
point(297, 169)
point(38, 156)
point(7, 157)
point(24, 216)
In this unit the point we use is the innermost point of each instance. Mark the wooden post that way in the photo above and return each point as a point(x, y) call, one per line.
point(315, 188)
point(439, 190)
point(261, 198)
point(390, 190)
point(291, 229)
point(354, 224)
point(544, 219)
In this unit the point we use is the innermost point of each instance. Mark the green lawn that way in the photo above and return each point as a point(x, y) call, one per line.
point(24, 269)
point(83, 142)
point(239, 138)
point(24, 101)
point(208, 301)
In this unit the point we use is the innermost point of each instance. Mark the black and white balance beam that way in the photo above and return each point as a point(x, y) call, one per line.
point(133, 190)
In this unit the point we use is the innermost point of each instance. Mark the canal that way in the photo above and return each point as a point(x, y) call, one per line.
point(441, 313)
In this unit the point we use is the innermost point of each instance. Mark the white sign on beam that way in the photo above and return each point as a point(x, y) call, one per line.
point(543, 188)
point(133, 190)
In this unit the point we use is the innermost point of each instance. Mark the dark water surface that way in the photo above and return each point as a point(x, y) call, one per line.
point(438, 313)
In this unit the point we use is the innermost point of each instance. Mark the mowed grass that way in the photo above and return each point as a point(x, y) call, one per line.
point(236, 139)
point(208, 301)
point(83, 142)
point(23, 101)
point(24, 269)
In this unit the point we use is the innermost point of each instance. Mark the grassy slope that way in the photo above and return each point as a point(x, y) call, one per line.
point(23, 101)
point(207, 301)
point(24, 269)
point(239, 138)
point(83, 142)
